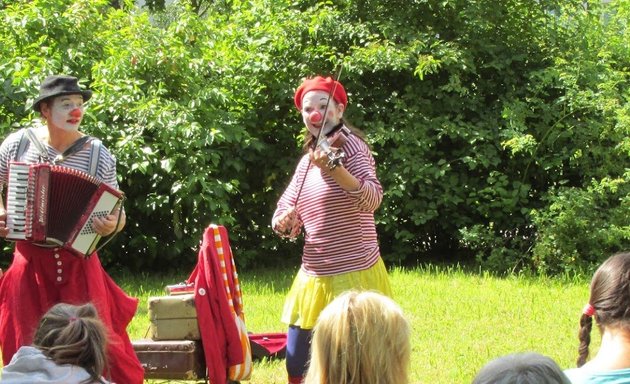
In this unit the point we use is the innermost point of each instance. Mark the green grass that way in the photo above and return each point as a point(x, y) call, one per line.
point(460, 320)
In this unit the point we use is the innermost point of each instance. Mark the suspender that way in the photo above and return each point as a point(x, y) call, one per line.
point(95, 155)
point(22, 146)
point(28, 136)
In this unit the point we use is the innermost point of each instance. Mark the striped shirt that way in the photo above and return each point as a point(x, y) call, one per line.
point(339, 229)
point(106, 170)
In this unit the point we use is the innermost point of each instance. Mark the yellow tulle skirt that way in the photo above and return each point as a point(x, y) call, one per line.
point(310, 294)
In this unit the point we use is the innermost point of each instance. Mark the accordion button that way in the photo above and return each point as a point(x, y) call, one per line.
point(59, 278)
point(56, 255)
point(59, 271)
point(59, 263)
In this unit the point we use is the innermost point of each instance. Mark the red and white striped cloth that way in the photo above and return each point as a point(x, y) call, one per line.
point(235, 299)
point(223, 334)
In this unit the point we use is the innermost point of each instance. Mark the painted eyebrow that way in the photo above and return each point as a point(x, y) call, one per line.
point(64, 98)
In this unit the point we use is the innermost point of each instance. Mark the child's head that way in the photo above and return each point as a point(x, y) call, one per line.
point(360, 338)
point(70, 334)
point(521, 368)
point(609, 302)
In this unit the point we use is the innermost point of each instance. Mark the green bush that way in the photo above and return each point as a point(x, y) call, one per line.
point(579, 228)
point(478, 112)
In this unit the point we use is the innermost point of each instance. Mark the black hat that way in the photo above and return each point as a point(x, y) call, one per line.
point(58, 85)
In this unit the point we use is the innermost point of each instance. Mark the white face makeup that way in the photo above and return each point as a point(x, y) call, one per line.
point(313, 108)
point(66, 112)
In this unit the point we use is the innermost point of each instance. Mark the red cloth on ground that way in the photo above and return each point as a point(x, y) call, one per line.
point(271, 343)
point(39, 278)
point(219, 335)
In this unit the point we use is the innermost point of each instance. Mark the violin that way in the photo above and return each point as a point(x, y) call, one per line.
point(331, 145)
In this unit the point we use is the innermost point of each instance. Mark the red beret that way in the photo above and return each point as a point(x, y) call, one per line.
point(319, 83)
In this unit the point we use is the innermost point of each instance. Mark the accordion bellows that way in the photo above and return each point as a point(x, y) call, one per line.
point(55, 205)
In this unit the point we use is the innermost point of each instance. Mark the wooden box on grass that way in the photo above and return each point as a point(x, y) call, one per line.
point(173, 318)
point(171, 359)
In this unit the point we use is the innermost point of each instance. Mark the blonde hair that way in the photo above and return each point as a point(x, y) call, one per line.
point(71, 334)
point(360, 338)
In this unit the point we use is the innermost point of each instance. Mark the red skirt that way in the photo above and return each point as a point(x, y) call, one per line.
point(40, 277)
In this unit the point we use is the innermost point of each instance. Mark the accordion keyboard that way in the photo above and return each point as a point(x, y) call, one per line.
point(17, 201)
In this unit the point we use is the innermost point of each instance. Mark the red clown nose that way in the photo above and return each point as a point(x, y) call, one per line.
point(76, 112)
point(315, 117)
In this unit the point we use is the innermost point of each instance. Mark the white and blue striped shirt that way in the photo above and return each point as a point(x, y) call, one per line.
point(80, 160)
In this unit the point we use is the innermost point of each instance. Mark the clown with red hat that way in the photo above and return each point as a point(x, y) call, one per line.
point(333, 204)
point(311, 98)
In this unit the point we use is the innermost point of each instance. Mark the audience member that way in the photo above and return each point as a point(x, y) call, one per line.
point(521, 368)
point(69, 347)
point(609, 304)
point(360, 338)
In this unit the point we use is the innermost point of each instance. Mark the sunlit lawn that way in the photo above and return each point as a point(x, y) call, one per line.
point(460, 319)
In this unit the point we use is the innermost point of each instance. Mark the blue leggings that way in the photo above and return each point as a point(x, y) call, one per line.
point(298, 351)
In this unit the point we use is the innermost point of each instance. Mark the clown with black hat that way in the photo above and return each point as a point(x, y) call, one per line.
point(60, 85)
point(43, 275)
point(334, 204)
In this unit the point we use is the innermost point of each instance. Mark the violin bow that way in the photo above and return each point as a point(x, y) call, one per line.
point(319, 134)
point(330, 96)
point(317, 139)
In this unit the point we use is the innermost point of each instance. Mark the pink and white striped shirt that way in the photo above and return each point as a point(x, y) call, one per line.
point(339, 229)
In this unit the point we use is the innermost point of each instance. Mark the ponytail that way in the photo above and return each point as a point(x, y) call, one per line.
point(69, 334)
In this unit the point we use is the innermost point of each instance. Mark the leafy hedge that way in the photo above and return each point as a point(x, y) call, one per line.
point(493, 123)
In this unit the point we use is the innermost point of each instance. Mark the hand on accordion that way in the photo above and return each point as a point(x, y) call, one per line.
point(107, 225)
point(4, 231)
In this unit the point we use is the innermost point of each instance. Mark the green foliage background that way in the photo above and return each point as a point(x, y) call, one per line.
point(500, 128)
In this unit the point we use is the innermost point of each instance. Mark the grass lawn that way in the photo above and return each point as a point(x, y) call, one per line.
point(460, 319)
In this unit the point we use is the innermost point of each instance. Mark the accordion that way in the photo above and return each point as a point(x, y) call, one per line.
point(54, 205)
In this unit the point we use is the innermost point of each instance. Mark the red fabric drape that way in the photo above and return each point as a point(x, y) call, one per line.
point(219, 335)
point(39, 278)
